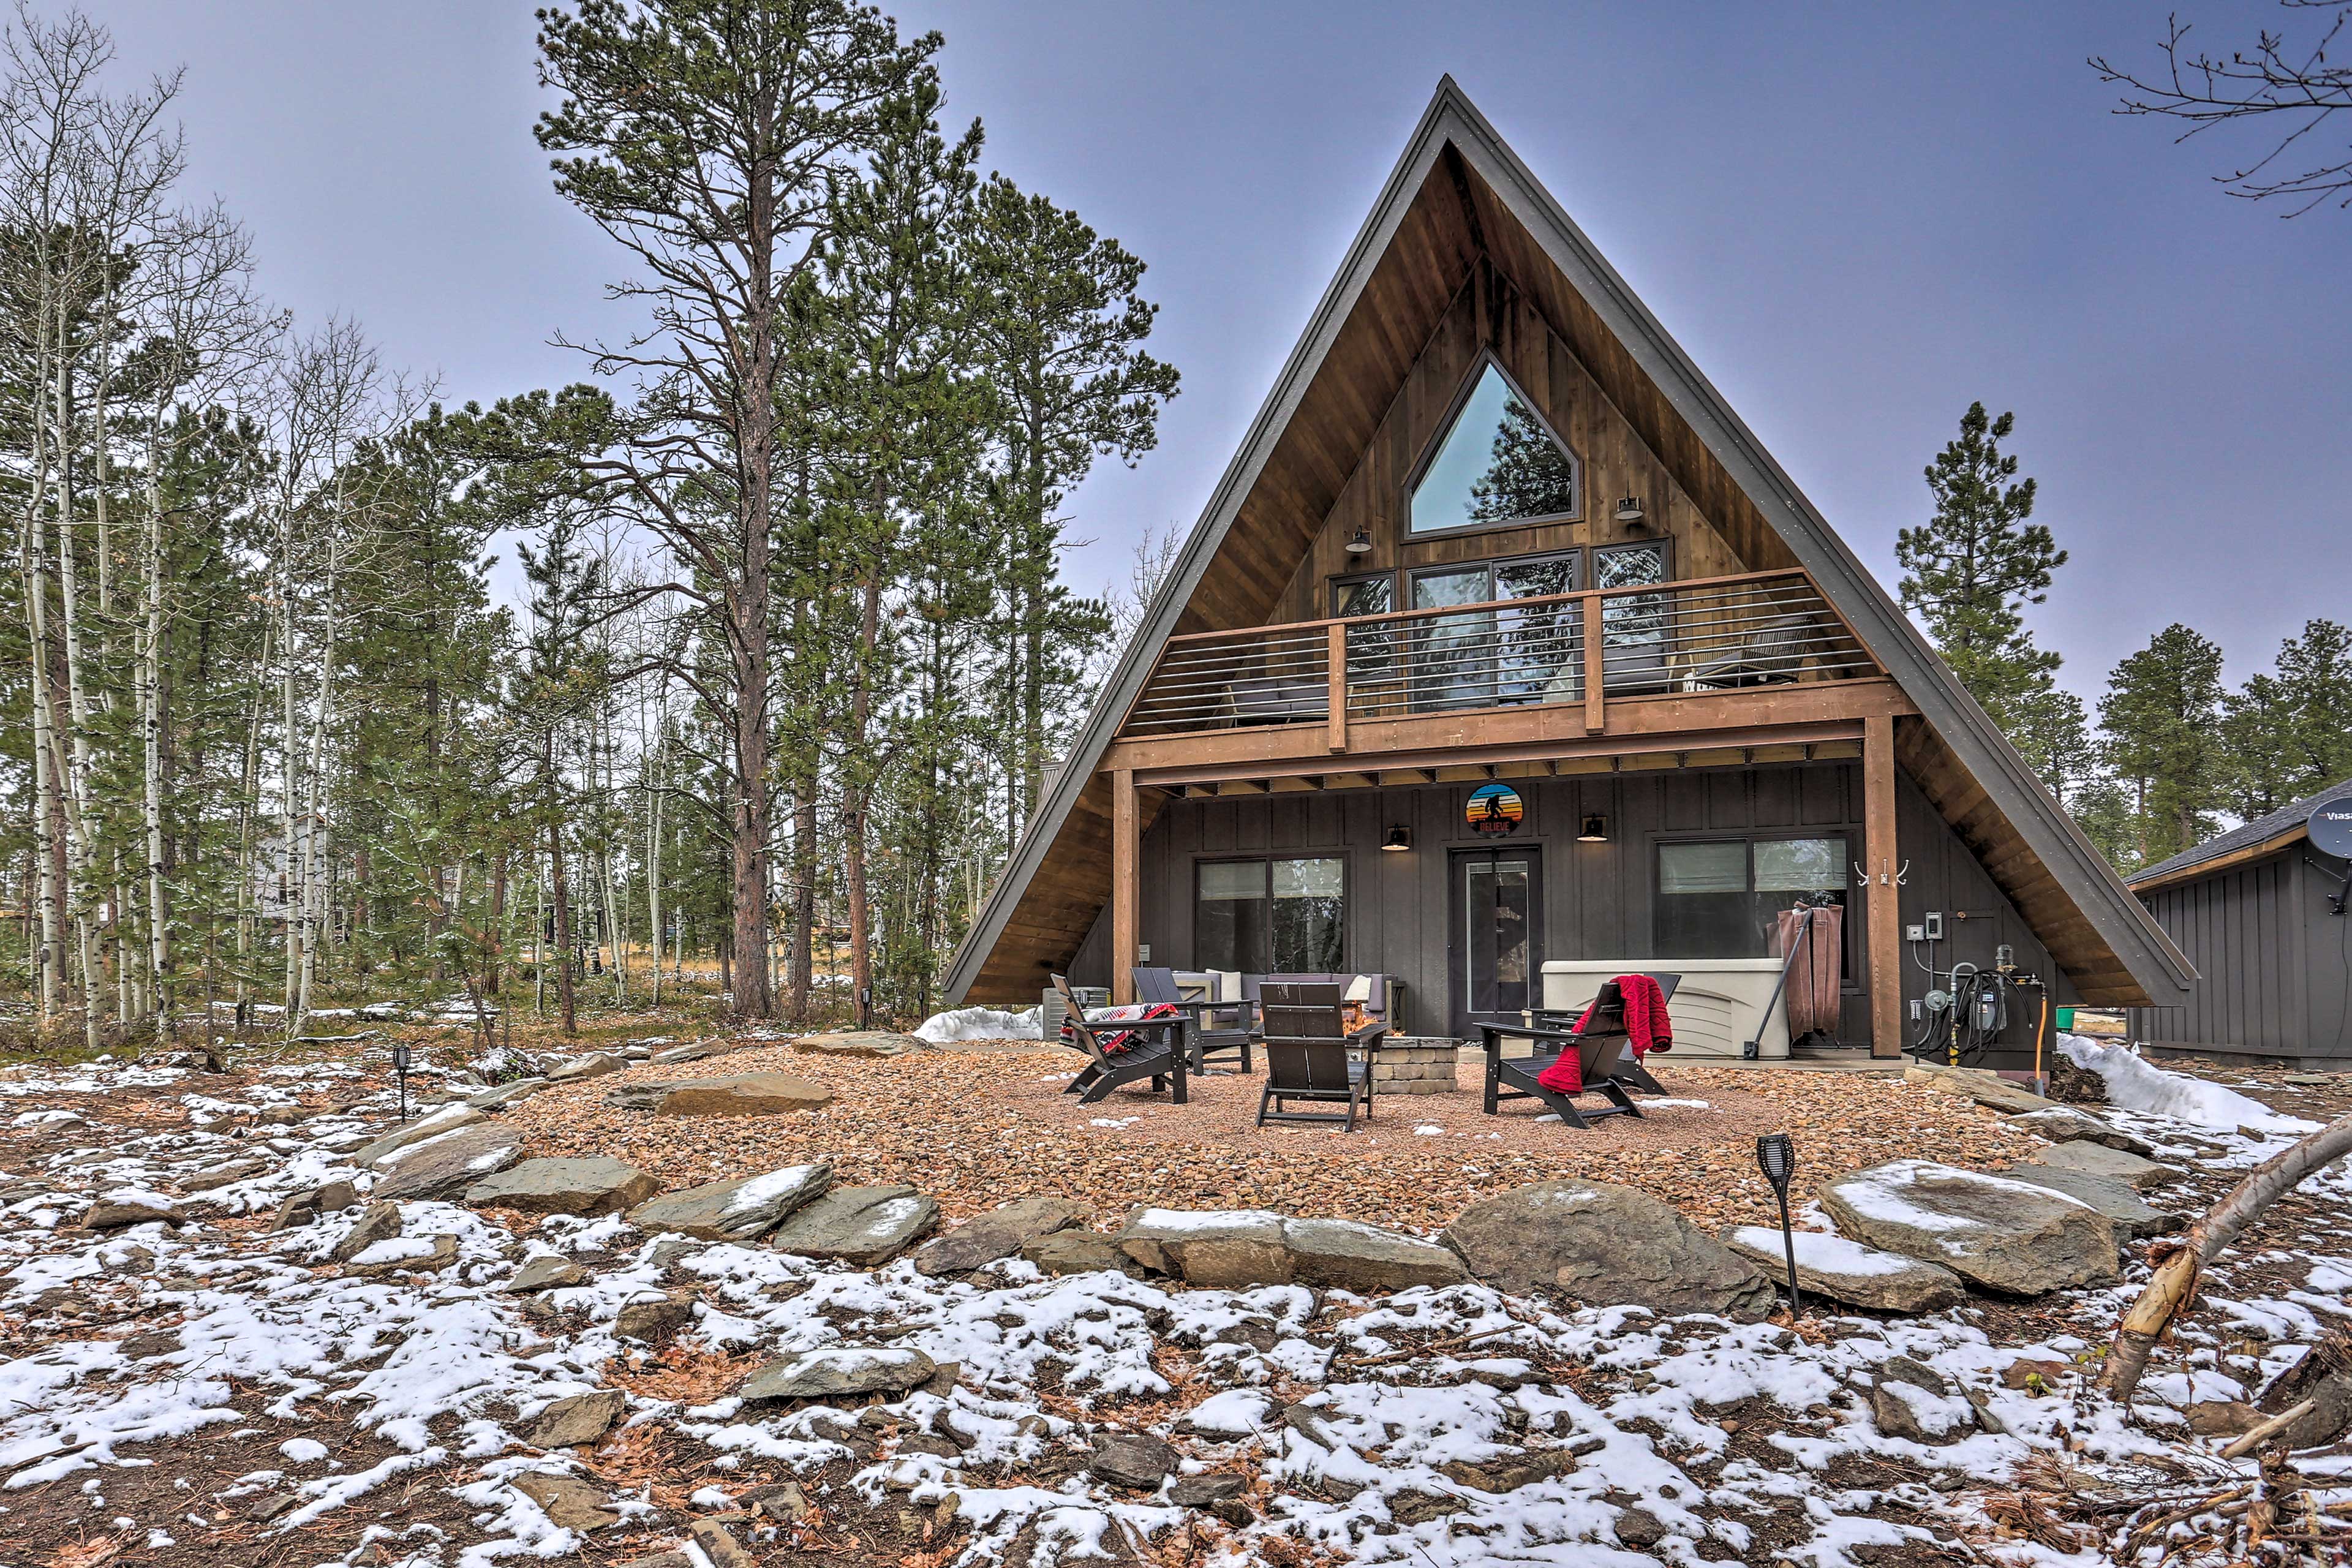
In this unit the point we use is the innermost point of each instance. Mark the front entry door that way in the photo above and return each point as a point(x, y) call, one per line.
point(1495, 948)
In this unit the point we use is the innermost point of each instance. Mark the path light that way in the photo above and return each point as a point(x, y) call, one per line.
point(1777, 1157)
point(400, 1069)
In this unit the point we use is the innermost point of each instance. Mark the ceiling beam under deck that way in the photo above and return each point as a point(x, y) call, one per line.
point(1840, 739)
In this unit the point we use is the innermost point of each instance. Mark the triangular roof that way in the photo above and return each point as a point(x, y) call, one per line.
point(1456, 194)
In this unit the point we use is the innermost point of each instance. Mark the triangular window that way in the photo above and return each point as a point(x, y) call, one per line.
point(1498, 462)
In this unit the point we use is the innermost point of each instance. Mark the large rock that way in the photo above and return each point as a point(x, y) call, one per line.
point(742, 1209)
point(595, 1064)
point(1841, 1271)
point(576, 1419)
point(1995, 1231)
point(1234, 1249)
point(862, 1043)
point(1075, 1251)
point(1352, 1256)
point(379, 1223)
point(838, 1370)
point(1606, 1245)
point(2133, 1219)
point(745, 1094)
point(1000, 1233)
point(1989, 1090)
point(442, 1168)
point(2098, 1160)
point(547, 1272)
point(568, 1502)
point(448, 1119)
point(1222, 1249)
point(2064, 1124)
point(1134, 1459)
point(858, 1224)
point(499, 1096)
point(592, 1185)
point(129, 1209)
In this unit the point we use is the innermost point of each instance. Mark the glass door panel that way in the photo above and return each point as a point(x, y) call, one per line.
point(1497, 938)
point(1540, 653)
point(1452, 657)
point(1633, 626)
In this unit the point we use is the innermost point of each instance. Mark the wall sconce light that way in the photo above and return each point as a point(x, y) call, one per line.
point(1400, 837)
point(1629, 511)
point(1361, 543)
point(1596, 829)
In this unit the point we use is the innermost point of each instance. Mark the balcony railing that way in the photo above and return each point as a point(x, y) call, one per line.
point(1714, 634)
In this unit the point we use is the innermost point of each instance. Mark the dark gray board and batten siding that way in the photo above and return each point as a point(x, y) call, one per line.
point(2275, 966)
point(1596, 896)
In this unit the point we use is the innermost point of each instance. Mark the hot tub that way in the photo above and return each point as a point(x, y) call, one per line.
point(1716, 1009)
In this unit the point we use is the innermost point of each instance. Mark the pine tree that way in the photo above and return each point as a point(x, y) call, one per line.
point(2290, 735)
point(2161, 723)
point(1526, 474)
point(1058, 322)
point(1971, 569)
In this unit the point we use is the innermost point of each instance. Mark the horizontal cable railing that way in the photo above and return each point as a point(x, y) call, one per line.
point(1714, 635)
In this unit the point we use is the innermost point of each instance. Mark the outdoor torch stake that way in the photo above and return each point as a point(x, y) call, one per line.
point(399, 1071)
point(1777, 1157)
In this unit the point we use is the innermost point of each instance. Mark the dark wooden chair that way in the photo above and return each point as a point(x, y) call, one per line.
point(1629, 1071)
point(1215, 1028)
point(1599, 1051)
point(1310, 1056)
point(1159, 1055)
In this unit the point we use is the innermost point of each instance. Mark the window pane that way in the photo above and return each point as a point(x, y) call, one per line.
point(1536, 579)
point(1538, 645)
point(1702, 868)
point(1308, 879)
point(1498, 462)
point(1309, 916)
point(1799, 865)
point(1363, 596)
point(1453, 655)
point(1232, 879)
point(1629, 565)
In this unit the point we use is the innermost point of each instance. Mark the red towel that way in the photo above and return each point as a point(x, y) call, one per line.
point(1647, 1029)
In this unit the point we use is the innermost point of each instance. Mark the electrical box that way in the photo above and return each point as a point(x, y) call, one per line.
point(1934, 926)
point(1914, 933)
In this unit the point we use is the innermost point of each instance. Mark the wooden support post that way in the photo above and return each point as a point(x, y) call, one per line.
point(1882, 897)
point(1125, 854)
point(1336, 686)
point(1588, 609)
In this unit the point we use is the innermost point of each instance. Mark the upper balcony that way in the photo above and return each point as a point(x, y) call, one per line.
point(1514, 667)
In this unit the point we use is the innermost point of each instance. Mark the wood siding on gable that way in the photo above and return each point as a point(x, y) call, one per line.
point(2274, 967)
point(1491, 312)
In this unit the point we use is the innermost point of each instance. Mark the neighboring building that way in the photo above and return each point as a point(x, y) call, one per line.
point(1484, 447)
point(2260, 914)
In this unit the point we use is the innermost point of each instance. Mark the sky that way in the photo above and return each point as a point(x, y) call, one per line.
point(1856, 219)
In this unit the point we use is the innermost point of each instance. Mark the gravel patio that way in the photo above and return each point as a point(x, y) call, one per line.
point(981, 1124)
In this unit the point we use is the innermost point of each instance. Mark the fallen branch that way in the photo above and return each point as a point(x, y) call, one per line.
point(2179, 1265)
point(2254, 1437)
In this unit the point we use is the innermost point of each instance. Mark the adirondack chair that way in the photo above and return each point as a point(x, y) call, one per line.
point(1309, 1055)
point(1630, 1072)
point(1600, 1051)
point(1159, 1055)
point(1214, 1028)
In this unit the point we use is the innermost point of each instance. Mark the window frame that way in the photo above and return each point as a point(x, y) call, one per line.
point(1849, 937)
point(1264, 860)
point(1408, 533)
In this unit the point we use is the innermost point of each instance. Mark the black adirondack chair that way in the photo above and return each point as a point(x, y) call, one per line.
point(1308, 1056)
point(1600, 1051)
point(1217, 1028)
point(1630, 1072)
point(1159, 1055)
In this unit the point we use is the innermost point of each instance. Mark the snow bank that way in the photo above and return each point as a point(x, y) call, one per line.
point(2134, 1083)
point(981, 1024)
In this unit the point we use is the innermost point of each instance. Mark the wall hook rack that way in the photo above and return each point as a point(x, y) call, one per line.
point(1900, 878)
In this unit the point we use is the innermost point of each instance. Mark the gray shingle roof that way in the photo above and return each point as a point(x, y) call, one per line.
point(2260, 830)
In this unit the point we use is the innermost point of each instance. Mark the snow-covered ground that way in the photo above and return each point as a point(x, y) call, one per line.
point(218, 1391)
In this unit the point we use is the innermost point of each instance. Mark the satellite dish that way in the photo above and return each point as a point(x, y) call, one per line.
point(2331, 828)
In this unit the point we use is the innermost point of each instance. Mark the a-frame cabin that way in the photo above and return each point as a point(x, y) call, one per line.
point(1483, 446)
